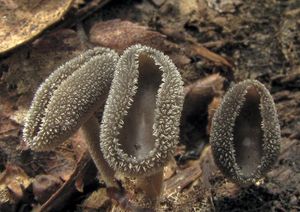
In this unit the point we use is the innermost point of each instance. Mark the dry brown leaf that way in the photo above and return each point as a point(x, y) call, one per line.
point(23, 20)
point(43, 186)
point(119, 35)
point(13, 182)
point(28, 68)
point(61, 163)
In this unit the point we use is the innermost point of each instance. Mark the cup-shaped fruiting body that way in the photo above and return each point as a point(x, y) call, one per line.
point(68, 97)
point(140, 124)
point(245, 133)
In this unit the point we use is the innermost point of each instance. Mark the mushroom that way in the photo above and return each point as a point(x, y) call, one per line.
point(140, 125)
point(68, 99)
point(245, 133)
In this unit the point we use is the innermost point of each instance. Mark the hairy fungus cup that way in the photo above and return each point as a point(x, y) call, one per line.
point(140, 125)
point(67, 99)
point(245, 133)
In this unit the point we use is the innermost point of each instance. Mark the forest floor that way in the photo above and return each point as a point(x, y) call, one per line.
point(213, 44)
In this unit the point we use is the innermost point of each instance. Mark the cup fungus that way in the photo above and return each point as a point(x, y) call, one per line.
point(68, 99)
point(140, 124)
point(245, 133)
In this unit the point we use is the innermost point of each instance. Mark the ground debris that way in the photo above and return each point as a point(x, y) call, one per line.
point(21, 21)
point(13, 183)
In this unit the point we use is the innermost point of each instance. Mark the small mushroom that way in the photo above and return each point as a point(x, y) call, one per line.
point(140, 125)
point(245, 133)
point(68, 99)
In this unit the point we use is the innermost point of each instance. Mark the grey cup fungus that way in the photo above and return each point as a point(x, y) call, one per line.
point(68, 99)
point(140, 125)
point(245, 133)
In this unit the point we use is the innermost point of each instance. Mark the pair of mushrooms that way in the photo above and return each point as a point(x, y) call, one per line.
point(143, 92)
point(143, 95)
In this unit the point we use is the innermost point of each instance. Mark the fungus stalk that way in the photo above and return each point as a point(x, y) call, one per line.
point(151, 186)
point(140, 124)
point(90, 131)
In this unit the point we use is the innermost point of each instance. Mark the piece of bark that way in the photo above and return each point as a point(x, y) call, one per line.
point(182, 179)
point(212, 85)
point(202, 169)
point(200, 94)
point(197, 110)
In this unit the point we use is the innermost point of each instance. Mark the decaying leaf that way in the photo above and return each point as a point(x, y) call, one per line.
point(43, 186)
point(21, 21)
point(28, 68)
point(115, 34)
point(13, 182)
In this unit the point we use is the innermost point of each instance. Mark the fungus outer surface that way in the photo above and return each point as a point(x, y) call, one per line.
point(245, 135)
point(146, 84)
point(67, 97)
